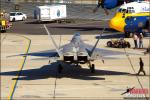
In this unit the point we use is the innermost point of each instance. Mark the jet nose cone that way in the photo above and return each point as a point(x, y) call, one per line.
point(117, 23)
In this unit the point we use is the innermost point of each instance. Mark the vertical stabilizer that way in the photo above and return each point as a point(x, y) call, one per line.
point(50, 36)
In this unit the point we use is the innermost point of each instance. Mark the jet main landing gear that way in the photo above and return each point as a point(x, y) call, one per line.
point(92, 67)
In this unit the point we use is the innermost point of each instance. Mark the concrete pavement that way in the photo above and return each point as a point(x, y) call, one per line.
point(38, 80)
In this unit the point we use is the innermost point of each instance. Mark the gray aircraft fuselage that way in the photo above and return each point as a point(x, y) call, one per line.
point(75, 51)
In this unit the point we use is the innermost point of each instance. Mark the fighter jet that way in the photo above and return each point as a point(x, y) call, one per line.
point(77, 52)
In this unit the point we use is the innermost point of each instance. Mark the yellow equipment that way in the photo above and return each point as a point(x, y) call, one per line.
point(4, 23)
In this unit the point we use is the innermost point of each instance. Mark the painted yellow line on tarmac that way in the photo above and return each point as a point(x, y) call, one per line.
point(13, 87)
point(15, 81)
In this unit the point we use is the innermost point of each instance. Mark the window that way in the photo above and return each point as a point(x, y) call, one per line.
point(19, 13)
point(130, 10)
point(122, 10)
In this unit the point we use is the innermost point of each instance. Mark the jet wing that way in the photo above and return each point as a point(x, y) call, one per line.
point(46, 53)
point(100, 53)
point(50, 53)
point(104, 53)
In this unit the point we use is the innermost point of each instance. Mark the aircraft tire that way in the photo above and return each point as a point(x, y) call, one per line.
point(93, 68)
point(109, 44)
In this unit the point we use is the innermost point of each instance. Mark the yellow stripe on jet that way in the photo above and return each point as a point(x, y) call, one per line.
point(138, 14)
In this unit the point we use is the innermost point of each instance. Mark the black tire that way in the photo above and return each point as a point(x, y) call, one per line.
point(116, 45)
point(109, 44)
point(23, 18)
point(13, 19)
point(93, 68)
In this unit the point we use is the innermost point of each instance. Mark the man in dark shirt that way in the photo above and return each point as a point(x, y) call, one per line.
point(141, 67)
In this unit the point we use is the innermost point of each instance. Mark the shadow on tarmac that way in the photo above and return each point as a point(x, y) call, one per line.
point(50, 71)
point(39, 22)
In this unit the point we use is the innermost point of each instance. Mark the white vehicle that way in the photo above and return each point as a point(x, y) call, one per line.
point(17, 16)
point(50, 12)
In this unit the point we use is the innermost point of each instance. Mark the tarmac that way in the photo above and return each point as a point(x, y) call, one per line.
point(33, 78)
point(26, 77)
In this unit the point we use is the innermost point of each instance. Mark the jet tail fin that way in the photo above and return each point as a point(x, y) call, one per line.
point(97, 41)
point(50, 36)
point(94, 47)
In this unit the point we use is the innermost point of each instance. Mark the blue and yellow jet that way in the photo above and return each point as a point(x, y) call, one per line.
point(132, 16)
point(110, 4)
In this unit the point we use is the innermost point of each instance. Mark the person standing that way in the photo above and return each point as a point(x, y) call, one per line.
point(141, 40)
point(135, 38)
point(141, 67)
